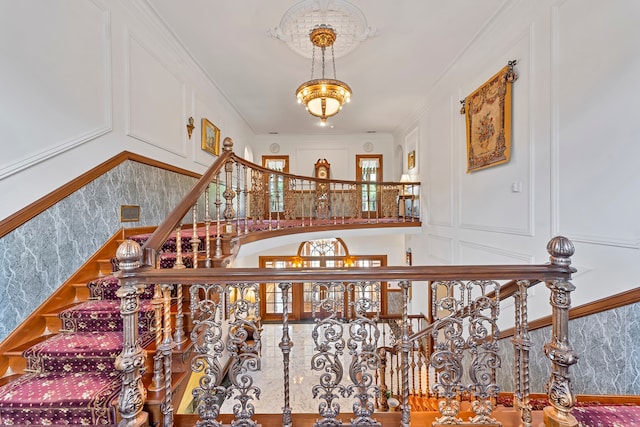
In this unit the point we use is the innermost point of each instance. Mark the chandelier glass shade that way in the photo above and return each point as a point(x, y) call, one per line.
point(323, 97)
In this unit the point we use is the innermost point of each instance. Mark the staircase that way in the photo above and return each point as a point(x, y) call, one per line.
point(67, 375)
point(70, 376)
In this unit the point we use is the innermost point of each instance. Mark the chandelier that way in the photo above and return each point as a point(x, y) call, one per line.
point(323, 97)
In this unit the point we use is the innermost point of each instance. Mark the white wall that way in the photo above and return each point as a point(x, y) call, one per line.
point(339, 150)
point(575, 147)
point(84, 81)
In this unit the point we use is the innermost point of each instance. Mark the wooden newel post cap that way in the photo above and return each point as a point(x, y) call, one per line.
point(227, 144)
point(561, 249)
point(129, 254)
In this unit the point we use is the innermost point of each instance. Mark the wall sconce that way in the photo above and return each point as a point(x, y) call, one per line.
point(349, 262)
point(190, 127)
point(297, 262)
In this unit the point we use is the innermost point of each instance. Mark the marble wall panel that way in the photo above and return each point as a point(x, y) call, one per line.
point(608, 347)
point(44, 252)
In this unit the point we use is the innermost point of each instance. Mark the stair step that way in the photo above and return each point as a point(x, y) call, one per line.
point(75, 352)
point(52, 398)
point(103, 315)
point(105, 288)
point(105, 266)
point(52, 320)
point(82, 292)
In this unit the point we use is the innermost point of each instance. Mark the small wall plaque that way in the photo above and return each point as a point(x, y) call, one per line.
point(129, 213)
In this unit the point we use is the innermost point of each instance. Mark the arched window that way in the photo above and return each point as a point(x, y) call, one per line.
point(323, 253)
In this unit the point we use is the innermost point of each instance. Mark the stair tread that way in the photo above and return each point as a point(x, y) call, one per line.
point(17, 351)
point(61, 309)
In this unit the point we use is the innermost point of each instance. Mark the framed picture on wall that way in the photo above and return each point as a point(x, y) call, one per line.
point(210, 138)
point(411, 160)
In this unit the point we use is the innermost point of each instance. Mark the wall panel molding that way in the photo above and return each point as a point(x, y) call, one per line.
point(518, 256)
point(140, 133)
point(632, 242)
point(59, 147)
point(446, 243)
point(525, 37)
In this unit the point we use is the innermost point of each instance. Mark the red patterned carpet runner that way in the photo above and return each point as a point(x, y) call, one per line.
point(74, 380)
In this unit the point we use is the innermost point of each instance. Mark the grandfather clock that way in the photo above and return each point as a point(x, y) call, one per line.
point(323, 206)
point(322, 169)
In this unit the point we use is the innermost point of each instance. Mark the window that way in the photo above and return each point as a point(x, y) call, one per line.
point(324, 253)
point(275, 182)
point(369, 171)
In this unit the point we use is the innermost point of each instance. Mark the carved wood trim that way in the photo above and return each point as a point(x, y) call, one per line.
point(30, 211)
point(601, 398)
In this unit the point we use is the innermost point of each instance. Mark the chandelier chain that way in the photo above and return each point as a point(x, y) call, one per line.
point(323, 49)
point(333, 60)
point(313, 60)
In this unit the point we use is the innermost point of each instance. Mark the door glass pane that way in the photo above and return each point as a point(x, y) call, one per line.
point(273, 295)
point(307, 298)
point(276, 184)
point(369, 174)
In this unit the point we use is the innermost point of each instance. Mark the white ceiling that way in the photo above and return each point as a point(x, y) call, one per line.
point(390, 74)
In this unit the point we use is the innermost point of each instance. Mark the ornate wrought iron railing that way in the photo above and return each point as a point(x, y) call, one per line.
point(236, 199)
point(463, 360)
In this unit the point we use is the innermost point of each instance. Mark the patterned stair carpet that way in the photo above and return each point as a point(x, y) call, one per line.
point(592, 414)
point(74, 380)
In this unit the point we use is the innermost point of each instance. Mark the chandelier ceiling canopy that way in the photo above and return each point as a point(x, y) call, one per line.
point(346, 20)
point(334, 27)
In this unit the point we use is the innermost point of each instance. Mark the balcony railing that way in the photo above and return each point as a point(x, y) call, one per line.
point(456, 352)
point(235, 198)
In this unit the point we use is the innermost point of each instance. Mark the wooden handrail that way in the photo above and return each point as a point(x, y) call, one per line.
point(248, 164)
point(152, 246)
point(157, 239)
point(542, 272)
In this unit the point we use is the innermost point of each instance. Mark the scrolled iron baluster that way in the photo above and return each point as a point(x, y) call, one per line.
point(285, 346)
point(209, 347)
point(166, 350)
point(405, 286)
point(245, 357)
point(482, 341)
point(329, 344)
point(449, 344)
point(521, 345)
point(362, 344)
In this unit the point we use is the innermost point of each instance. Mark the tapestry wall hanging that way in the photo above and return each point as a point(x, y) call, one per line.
point(488, 121)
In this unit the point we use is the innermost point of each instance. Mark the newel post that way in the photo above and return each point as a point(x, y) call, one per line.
point(132, 359)
point(558, 350)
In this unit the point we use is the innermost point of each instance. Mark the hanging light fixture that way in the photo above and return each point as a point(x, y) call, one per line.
point(323, 97)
